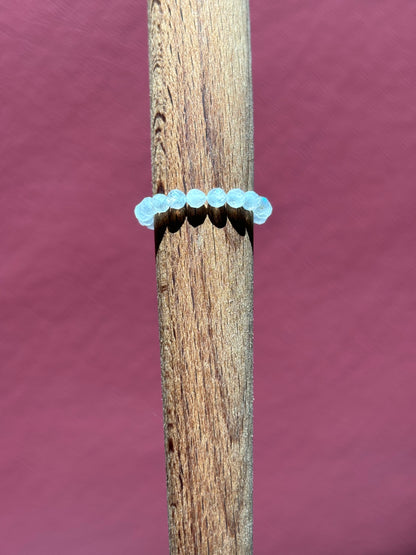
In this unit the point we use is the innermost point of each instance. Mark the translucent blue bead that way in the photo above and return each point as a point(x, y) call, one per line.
point(160, 203)
point(251, 200)
point(145, 211)
point(216, 197)
point(235, 198)
point(176, 199)
point(195, 198)
point(263, 211)
point(146, 221)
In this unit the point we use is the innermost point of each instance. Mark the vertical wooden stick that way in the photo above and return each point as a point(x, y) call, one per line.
point(202, 137)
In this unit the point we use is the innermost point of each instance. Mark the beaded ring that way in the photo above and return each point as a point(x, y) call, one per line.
point(146, 210)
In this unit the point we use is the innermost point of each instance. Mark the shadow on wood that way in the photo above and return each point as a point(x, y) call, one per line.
point(173, 220)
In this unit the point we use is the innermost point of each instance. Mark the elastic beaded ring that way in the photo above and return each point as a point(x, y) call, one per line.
point(146, 210)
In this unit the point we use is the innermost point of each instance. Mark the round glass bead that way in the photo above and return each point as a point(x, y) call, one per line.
point(235, 198)
point(176, 199)
point(251, 200)
point(145, 211)
point(195, 198)
point(263, 211)
point(216, 197)
point(160, 202)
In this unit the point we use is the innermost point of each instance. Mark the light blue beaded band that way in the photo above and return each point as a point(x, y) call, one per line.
point(146, 210)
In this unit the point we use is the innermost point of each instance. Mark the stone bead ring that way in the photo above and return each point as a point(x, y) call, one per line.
point(146, 210)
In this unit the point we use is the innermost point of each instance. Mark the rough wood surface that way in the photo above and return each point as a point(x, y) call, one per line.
point(202, 136)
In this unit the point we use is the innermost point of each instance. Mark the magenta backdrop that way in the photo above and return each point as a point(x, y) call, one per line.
point(81, 441)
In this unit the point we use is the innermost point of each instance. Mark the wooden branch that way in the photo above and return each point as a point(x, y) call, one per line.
point(202, 137)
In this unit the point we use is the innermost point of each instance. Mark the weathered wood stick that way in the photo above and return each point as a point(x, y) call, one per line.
point(202, 137)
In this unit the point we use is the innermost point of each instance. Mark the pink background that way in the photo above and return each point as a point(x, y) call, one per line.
point(81, 441)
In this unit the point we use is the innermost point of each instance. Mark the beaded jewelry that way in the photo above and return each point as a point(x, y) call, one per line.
point(146, 210)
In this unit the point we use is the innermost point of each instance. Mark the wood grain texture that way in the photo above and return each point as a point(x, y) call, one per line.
point(202, 136)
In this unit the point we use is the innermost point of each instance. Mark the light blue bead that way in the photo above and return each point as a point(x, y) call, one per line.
point(195, 198)
point(216, 197)
point(145, 211)
point(176, 199)
point(263, 211)
point(160, 202)
point(235, 198)
point(251, 200)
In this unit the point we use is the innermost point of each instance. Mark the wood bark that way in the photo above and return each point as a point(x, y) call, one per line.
point(202, 137)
